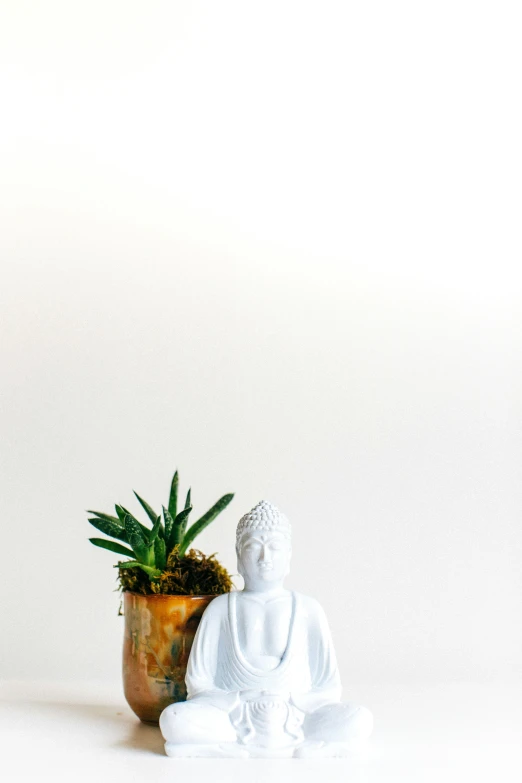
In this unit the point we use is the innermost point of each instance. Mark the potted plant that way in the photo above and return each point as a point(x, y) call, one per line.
point(166, 588)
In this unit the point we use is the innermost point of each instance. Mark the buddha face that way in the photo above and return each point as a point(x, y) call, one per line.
point(263, 559)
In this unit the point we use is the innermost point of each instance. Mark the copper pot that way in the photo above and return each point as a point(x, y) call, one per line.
point(159, 631)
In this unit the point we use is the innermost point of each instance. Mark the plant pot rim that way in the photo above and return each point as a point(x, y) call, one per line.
point(156, 596)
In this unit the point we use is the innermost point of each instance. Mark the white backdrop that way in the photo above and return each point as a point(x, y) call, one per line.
point(275, 245)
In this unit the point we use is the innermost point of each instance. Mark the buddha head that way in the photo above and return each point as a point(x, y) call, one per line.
point(263, 547)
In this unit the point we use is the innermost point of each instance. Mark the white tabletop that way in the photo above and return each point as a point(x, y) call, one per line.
point(438, 732)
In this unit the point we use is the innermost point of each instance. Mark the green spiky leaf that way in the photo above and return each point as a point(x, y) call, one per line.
point(109, 528)
point(173, 497)
point(112, 546)
point(136, 539)
point(123, 512)
point(155, 530)
point(205, 520)
point(153, 573)
point(169, 524)
point(160, 553)
point(188, 504)
point(148, 510)
point(177, 528)
point(107, 517)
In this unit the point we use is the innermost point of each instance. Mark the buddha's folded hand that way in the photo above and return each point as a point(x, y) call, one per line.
point(255, 695)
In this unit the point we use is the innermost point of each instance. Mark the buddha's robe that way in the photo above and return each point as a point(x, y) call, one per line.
point(228, 697)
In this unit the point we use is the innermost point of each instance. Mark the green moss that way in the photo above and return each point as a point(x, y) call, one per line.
point(190, 574)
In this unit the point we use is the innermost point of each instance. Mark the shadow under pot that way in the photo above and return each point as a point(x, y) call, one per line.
point(159, 631)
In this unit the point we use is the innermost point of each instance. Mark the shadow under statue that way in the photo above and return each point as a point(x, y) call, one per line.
point(262, 677)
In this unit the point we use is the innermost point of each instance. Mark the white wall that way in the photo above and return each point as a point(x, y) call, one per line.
point(276, 245)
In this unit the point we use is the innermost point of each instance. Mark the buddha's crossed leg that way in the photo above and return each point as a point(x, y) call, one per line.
point(190, 722)
point(342, 722)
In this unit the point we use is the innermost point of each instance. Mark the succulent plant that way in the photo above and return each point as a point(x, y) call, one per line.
point(150, 547)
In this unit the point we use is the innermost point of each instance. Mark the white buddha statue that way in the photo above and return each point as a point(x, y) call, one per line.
point(262, 678)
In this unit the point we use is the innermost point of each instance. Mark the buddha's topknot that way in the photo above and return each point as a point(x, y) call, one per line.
point(264, 516)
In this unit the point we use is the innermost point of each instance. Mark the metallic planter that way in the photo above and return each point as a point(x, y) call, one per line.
point(159, 631)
